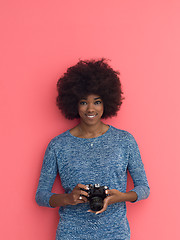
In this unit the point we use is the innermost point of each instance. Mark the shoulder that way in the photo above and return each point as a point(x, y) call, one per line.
point(59, 140)
point(122, 134)
point(125, 137)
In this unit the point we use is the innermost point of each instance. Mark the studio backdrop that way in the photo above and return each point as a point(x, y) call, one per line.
point(39, 41)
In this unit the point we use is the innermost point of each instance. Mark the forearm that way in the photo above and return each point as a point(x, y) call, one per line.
point(59, 200)
point(73, 198)
point(130, 196)
point(115, 196)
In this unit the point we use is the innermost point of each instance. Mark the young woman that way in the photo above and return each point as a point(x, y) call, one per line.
point(91, 153)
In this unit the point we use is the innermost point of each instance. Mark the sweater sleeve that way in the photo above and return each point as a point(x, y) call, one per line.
point(47, 177)
point(137, 172)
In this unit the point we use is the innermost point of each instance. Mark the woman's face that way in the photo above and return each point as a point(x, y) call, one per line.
point(91, 109)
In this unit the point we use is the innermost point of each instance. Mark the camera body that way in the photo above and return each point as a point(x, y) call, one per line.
point(96, 196)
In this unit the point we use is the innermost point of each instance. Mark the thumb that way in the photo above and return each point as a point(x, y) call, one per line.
point(109, 192)
point(106, 200)
point(104, 207)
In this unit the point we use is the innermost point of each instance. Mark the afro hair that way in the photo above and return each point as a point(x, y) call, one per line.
point(85, 78)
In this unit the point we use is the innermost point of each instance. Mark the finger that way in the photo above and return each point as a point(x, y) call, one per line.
point(79, 190)
point(103, 209)
point(91, 211)
point(109, 192)
point(82, 199)
point(83, 193)
point(82, 186)
point(106, 204)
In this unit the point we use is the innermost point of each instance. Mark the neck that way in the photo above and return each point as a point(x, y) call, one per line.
point(92, 131)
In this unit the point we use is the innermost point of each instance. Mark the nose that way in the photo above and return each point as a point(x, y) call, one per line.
point(90, 107)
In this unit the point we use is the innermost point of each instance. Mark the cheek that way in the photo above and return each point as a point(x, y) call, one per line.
point(102, 108)
point(81, 109)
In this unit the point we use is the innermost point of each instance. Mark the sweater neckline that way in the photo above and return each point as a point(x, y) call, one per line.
point(90, 139)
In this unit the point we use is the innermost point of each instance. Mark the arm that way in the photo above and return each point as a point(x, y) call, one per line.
point(117, 196)
point(60, 200)
point(141, 188)
point(47, 177)
point(137, 172)
point(44, 196)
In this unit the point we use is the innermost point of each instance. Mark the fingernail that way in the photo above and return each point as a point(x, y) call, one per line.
point(97, 213)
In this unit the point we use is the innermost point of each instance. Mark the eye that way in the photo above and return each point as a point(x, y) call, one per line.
point(98, 102)
point(82, 103)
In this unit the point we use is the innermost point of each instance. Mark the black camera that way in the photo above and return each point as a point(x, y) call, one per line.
point(96, 196)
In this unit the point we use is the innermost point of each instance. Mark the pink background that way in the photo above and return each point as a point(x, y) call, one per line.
point(39, 40)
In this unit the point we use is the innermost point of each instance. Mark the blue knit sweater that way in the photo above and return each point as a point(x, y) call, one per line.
point(104, 160)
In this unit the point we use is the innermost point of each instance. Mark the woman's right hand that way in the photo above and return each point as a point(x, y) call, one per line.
point(77, 195)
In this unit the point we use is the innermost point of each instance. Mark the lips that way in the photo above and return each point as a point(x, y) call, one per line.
point(91, 116)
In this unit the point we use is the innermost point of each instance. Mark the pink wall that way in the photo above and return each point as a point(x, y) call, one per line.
point(39, 40)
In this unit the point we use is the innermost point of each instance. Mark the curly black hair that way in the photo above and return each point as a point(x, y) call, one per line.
point(85, 78)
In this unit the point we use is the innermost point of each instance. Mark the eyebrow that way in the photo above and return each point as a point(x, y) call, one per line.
point(94, 98)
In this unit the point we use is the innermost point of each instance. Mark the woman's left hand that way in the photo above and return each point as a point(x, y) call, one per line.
point(114, 197)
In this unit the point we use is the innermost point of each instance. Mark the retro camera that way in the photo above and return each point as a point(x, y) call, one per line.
point(96, 196)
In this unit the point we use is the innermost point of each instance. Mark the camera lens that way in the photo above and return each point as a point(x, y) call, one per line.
point(96, 203)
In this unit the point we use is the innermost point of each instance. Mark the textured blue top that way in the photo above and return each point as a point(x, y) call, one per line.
point(104, 160)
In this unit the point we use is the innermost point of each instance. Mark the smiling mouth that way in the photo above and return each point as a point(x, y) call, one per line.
point(91, 116)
